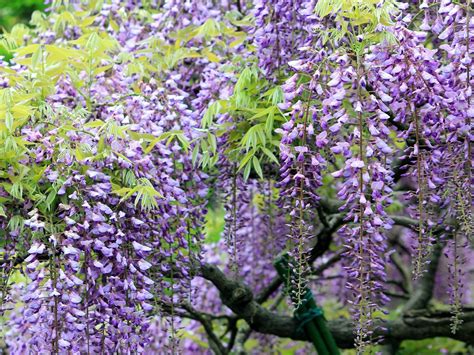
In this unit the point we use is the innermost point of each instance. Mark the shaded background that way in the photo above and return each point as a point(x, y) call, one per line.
point(16, 11)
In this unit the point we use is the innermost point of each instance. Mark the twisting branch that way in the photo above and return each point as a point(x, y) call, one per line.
point(416, 322)
point(214, 342)
point(424, 288)
point(334, 258)
point(413, 324)
point(239, 298)
point(405, 284)
point(323, 241)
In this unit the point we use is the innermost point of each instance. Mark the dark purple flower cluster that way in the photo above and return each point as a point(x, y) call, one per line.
point(281, 28)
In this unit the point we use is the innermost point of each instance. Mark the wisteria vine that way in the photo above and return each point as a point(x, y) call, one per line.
point(338, 128)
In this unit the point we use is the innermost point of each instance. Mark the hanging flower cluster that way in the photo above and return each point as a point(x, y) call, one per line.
point(281, 28)
point(300, 176)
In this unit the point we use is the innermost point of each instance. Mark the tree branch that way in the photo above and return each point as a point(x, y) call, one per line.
point(414, 324)
point(423, 291)
point(323, 241)
point(214, 342)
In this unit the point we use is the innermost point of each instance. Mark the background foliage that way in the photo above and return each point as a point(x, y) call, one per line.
point(16, 11)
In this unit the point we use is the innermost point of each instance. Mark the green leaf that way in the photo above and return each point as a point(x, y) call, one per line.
point(210, 113)
point(247, 171)
point(210, 28)
point(146, 194)
point(16, 190)
point(254, 136)
point(121, 191)
point(169, 136)
point(210, 56)
point(269, 154)
point(16, 223)
point(126, 193)
point(269, 123)
point(9, 121)
point(2, 211)
point(257, 167)
point(246, 159)
point(195, 154)
point(261, 112)
point(212, 142)
point(101, 145)
point(27, 50)
point(95, 124)
point(50, 199)
point(183, 140)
